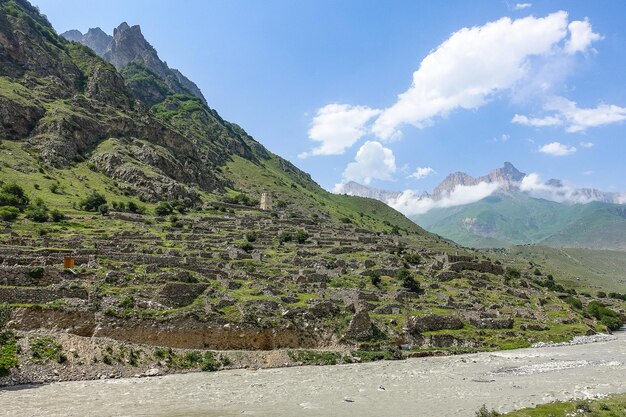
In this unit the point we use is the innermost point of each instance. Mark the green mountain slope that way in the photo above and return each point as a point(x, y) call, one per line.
point(516, 218)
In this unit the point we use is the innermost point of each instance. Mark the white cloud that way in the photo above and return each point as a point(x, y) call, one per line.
point(422, 172)
point(470, 67)
point(588, 173)
point(557, 149)
point(409, 203)
point(581, 36)
point(536, 122)
point(580, 119)
point(586, 144)
point(561, 193)
point(338, 127)
point(522, 6)
point(372, 162)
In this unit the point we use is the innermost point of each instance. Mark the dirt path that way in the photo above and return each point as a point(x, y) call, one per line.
point(445, 386)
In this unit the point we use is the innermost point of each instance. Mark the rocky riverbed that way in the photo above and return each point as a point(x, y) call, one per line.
point(438, 386)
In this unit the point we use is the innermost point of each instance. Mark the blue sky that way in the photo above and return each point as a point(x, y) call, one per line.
point(289, 72)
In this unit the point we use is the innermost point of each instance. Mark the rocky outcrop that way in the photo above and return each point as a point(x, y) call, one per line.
point(433, 322)
point(180, 294)
point(493, 323)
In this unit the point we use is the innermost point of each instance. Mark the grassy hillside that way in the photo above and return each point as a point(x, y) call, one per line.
point(583, 269)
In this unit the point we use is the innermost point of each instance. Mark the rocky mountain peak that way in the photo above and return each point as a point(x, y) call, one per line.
point(452, 181)
point(508, 175)
point(73, 35)
point(129, 46)
point(96, 39)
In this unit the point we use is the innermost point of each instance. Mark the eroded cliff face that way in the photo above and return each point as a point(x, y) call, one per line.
point(182, 332)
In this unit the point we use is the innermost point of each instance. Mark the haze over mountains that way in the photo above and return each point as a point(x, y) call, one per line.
point(508, 207)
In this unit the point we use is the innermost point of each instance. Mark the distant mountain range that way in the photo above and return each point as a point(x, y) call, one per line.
point(508, 207)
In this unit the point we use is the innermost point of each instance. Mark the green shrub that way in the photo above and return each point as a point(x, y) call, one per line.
point(163, 209)
point(285, 237)
point(46, 348)
point(512, 272)
point(93, 202)
point(37, 214)
point(57, 216)
point(412, 258)
point(13, 195)
point(242, 199)
point(209, 364)
point(103, 209)
point(9, 213)
point(246, 246)
point(252, 236)
point(8, 352)
point(574, 302)
point(484, 412)
point(36, 272)
point(408, 281)
point(601, 294)
point(301, 236)
point(608, 317)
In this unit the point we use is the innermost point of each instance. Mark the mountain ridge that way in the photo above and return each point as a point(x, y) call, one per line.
point(128, 45)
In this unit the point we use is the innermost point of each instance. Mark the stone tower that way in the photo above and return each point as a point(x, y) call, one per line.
point(266, 201)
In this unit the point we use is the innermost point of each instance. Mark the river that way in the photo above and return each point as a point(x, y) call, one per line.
point(438, 386)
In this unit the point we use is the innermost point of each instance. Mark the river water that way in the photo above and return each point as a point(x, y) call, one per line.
point(442, 386)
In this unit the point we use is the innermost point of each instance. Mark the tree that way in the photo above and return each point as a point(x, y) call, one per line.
point(13, 195)
point(93, 202)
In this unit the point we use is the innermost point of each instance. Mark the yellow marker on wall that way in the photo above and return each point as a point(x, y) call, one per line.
point(68, 262)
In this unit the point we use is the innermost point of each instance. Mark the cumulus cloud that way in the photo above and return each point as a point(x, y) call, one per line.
point(581, 36)
point(372, 162)
point(337, 127)
point(470, 67)
point(587, 173)
point(522, 6)
point(576, 118)
point(579, 119)
point(422, 172)
point(586, 144)
point(410, 204)
point(557, 149)
point(536, 122)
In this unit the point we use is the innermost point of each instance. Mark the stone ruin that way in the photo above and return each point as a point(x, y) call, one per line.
point(266, 201)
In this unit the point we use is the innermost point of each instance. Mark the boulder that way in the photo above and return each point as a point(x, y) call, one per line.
point(360, 327)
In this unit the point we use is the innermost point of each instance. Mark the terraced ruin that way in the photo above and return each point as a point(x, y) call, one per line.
point(156, 199)
point(246, 279)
